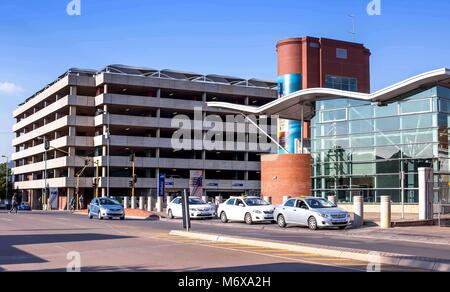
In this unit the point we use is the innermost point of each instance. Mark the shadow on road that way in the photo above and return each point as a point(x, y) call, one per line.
point(10, 254)
point(263, 268)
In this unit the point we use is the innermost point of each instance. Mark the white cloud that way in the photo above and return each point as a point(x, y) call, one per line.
point(10, 88)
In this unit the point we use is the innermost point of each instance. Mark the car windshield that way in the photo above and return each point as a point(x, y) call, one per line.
point(107, 202)
point(256, 202)
point(196, 201)
point(320, 203)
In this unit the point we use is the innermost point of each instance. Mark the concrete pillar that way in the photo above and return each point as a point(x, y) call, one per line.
point(125, 202)
point(332, 199)
point(268, 199)
point(426, 185)
point(133, 202)
point(285, 198)
point(358, 209)
point(159, 204)
point(141, 203)
point(385, 212)
point(150, 202)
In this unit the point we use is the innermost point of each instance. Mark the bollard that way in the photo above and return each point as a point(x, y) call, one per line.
point(150, 204)
point(385, 212)
point(332, 199)
point(133, 202)
point(125, 202)
point(160, 204)
point(268, 199)
point(141, 203)
point(358, 209)
point(285, 198)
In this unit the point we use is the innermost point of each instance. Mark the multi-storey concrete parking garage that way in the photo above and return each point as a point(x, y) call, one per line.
point(137, 104)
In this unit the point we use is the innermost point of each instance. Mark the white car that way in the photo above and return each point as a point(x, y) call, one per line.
point(312, 212)
point(197, 208)
point(246, 209)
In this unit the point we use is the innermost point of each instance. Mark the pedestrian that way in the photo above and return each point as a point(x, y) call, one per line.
point(81, 202)
point(72, 204)
point(14, 204)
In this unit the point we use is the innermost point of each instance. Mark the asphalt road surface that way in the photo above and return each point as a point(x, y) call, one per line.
point(38, 241)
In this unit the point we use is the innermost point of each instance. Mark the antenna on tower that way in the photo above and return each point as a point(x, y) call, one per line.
point(353, 32)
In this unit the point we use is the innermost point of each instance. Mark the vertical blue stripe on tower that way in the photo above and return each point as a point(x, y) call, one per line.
point(289, 131)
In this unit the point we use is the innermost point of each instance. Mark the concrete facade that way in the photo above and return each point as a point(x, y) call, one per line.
point(138, 104)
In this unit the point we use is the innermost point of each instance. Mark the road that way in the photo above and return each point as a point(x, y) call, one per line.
point(40, 241)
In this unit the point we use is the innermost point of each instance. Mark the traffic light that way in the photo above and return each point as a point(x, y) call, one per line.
point(132, 157)
point(46, 144)
point(130, 183)
point(135, 179)
point(94, 182)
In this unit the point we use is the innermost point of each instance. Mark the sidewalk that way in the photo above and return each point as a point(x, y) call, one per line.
point(136, 214)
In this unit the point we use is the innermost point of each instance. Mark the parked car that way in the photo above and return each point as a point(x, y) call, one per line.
point(105, 208)
point(24, 207)
point(197, 208)
point(246, 209)
point(312, 212)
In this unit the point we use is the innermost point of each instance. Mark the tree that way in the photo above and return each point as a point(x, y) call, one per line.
point(3, 181)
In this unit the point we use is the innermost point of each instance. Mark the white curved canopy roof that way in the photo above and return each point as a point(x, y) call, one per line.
point(289, 107)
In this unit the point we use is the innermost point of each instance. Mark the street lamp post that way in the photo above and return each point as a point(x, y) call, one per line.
point(7, 177)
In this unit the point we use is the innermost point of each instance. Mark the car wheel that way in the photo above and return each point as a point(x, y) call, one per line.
point(248, 219)
point(281, 221)
point(223, 217)
point(312, 223)
point(170, 214)
point(122, 218)
point(90, 215)
point(99, 216)
point(342, 227)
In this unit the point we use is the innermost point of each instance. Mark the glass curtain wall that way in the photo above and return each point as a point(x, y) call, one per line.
point(361, 148)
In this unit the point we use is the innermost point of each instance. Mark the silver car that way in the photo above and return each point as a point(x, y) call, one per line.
point(312, 212)
point(105, 208)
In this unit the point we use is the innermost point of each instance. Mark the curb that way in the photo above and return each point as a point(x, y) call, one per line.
point(354, 254)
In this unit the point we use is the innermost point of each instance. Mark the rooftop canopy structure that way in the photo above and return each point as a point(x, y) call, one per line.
point(290, 106)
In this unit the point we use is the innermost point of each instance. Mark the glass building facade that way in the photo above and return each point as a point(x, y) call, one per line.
point(362, 148)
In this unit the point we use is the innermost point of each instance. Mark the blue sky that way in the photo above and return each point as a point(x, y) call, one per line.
point(39, 41)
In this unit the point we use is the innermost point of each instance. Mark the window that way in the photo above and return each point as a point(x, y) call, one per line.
point(362, 126)
point(334, 115)
point(361, 112)
point(387, 124)
point(342, 53)
point(415, 106)
point(239, 202)
point(417, 121)
point(290, 203)
point(341, 83)
point(231, 201)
